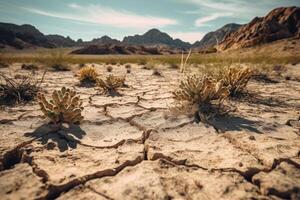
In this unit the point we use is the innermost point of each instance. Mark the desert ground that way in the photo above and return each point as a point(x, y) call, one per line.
point(131, 147)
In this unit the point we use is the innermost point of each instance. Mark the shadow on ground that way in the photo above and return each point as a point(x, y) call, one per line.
point(234, 123)
point(65, 137)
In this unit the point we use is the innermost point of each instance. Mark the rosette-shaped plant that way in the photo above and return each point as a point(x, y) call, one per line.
point(200, 92)
point(88, 76)
point(111, 84)
point(64, 107)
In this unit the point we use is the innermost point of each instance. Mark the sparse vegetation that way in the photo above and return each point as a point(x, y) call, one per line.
point(200, 93)
point(236, 78)
point(127, 66)
point(81, 65)
point(57, 62)
point(128, 71)
point(88, 76)
point(3, 65)
point(150, 65)
point(156, 72)
point(29, 67)
point(110, 84)
point(64, 107)
point(20, 89)
point(109, 68)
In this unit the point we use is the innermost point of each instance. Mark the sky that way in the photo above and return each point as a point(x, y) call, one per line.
point(188, 20)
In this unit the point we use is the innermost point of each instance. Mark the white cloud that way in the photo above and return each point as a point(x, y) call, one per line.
point(74, 5)
point(187, 36)
point(202, 21)
point(240, 8)
point(97, 14)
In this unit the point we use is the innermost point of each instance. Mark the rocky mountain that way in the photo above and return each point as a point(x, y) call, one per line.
point(22, 36)
point(124, 49)
point(103, 40)
point(61, 41)
point(154, 37)
point(213, 38)
point(280, 23)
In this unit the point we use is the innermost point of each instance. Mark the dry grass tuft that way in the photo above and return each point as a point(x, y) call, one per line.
point(29, 67)
point(236, 78)
point(3, 65)
point(23, 88)
point(60, 67)
point(64, 107)
point(111, 84)
point(127, 66)
point(56, 61)
point(88, 76)
point(157, 72)
point(200, 93)
point(109, 68)
point(81, 65)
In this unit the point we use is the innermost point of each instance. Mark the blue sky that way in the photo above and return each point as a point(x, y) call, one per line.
point(188, 20)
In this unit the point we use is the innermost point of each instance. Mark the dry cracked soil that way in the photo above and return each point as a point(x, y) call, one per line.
point(128, 147)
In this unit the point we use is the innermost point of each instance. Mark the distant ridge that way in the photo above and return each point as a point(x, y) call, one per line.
point(213, 38)
point(155, 37)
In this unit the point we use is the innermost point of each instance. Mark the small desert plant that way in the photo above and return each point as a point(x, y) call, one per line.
point(3, 65)
point(64, 107)
point(156, 72)
point(236, 78)
point(60, 67)
point(128, 71)
point(21, 76)
point(88, 76)
point(81, 65)
point(109, 68)
point(111, 84)
point(201, 93)
point(150, 65)
point(128, 66)
point(29, 67)
point(23, 88)
point(174, 66)
point(56, 61)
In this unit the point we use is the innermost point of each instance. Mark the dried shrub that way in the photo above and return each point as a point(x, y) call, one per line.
point(64, 107)
point(3, 65)
point(128, 66)
point(23, 88)
point(88, 76)
point(81, 65)
point(200, 93)
point(109, 68)
point(174, 66)
point(111, 84)
point(236, 78)
point(60, 67)
point(156, 72)
point(29, 67)
point(128, 71)
point(57, 61)
point(150, 65)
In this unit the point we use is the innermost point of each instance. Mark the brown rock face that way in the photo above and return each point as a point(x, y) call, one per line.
point(280, 23)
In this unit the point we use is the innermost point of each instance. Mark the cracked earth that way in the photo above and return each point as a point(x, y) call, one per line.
point(128, 147)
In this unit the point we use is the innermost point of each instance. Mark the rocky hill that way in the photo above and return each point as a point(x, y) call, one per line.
point(61, 41)
point(155, 37)
point(280, 23)
point(213, 38)
point(22, 36)
point(103, 40)
point(124, 49)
